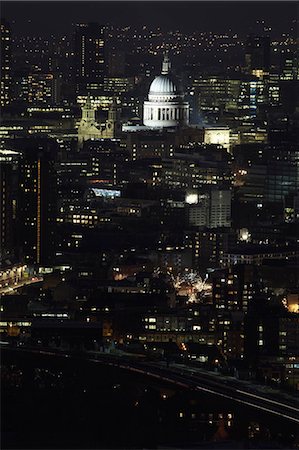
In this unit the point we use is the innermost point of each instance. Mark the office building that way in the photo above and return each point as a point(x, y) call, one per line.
point(9, 162)
point(5, 75)
point(37, 199)
point(89, 55)
point(41, 89)
point(257, 56)
point(208, 247)
point(215, 95)
point(116, 63)
point(196, 167)
point(213, 210)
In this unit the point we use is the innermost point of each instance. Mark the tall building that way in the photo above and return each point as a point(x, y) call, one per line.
point(41, 89)
point(213, 210)
point(271, 333)
point(89, 55)
point(5, 75)
point(118, 85)
point(288, 66)
point(257, 55)
point(116, 63)
point(266, 173)
point(165, 106)
point(208, 247)
point(234, 287)
point(20, 91)
point(8, 205)
point(37, 199)
point(230, 99)
point(216, 94)
point(196, 167)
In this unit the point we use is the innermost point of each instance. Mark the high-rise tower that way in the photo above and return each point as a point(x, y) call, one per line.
point(5, 75)
point(37, 199)
point(89, 55)
point(257, 55)
point(9, 165)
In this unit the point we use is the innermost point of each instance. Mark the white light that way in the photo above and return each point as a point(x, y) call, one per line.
point(191, 199)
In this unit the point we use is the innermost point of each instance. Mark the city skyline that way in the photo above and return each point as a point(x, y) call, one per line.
point(188, 16)
point(149, 260)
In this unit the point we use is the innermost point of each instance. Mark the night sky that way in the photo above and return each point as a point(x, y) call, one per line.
point(44, 18)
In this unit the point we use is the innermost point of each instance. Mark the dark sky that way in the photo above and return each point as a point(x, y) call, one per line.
point(40, 17)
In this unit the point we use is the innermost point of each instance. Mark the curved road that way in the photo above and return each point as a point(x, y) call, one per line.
point(190, 378)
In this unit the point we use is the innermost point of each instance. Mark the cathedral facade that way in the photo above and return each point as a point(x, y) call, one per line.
point(89, 128)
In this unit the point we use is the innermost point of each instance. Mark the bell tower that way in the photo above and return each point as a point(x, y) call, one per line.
point(88, 112)
point(88, 127)
point(113, 124)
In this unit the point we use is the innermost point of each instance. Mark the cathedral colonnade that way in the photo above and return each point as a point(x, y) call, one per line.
point(165, 114)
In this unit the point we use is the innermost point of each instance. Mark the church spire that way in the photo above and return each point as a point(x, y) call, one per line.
point(166, 64)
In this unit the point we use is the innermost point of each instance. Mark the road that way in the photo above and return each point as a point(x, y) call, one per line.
point(245, 394)
point(190, 378)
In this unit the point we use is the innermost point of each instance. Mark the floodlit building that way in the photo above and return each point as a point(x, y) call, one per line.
point(89, 128)
point(213, 210)
point(217, 135)
point(165, 106)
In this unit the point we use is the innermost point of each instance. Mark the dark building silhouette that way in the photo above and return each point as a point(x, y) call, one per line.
point(116, 63)
point(8, 205)
point(37, 199)
point(89, 55)
point(257, 54)
point(5, 74)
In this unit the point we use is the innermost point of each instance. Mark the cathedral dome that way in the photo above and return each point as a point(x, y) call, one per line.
point(165, 106)
point(163, 85)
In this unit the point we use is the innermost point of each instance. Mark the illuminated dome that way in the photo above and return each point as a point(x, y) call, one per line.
point(165, 106)
point(163, 85)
